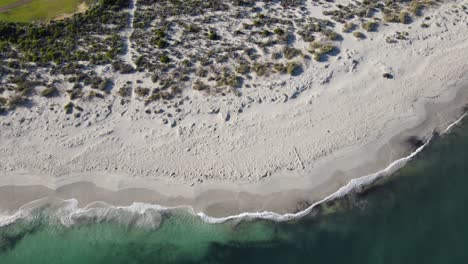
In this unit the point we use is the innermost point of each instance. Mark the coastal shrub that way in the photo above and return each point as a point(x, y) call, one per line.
point(79, 108)
point(290, 53)
point(199, 86)
point(93, 94)
point(391, 17)
point(105, 85)
point(318, 48)
point(192, 28)
point(162, 43)
point(325, 49)
point(153, 97)
point(140, 91)
point(75, 93)
point(124, 91)
point(154, 77)
point(317, 56)
point(15, 100)
point(115, 4)
point(331, 35)
point(260, 69)
point(348, 27)
point(235, 81)
point(293, 68)
point(278, 31)
point(359, 35)
point(243, 69)
point(213, 35)
point(160, 33)
point(266, 33)
point(126, 68)
point(416, 8)
point(390, 40)
point(369, 26)
point(49, 91)
point(247, 26)
point(276, 55)
point(280, 68)
point(401, 35)
point(164, 59)
point(69, 108)
point(404, 17)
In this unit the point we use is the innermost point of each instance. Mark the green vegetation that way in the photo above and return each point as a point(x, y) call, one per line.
point(212, 35)
point(391, 17)
point(243, 69)
point(404, 17)
point(416, 8)
point(290, 53)
point(293, 68)
point(348, 27)
point(49, 91)
point(369, 26)
point(69, 108)
point(7, 2)
point(40, 10)
point(164, 59)
point(359, 35)
point(278, 31)
point(179, 44)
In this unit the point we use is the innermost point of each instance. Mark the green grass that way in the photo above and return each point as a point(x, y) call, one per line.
point(6, 2)
point(39, 10)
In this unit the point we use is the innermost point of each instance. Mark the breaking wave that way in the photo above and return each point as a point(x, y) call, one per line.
point(68, 213)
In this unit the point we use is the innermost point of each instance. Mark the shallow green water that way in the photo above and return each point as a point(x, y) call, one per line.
point(420, 215)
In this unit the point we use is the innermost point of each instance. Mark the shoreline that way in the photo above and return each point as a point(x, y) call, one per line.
point(72, 209)
point(87, 193)
point(279, 155)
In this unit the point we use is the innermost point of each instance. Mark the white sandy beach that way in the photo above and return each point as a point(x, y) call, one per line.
point(337, 121)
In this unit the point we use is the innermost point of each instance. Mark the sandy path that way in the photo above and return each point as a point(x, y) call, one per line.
point(128, 56)
point(19, 3)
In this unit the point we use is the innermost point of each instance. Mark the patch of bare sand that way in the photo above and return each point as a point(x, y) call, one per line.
point(83, 7)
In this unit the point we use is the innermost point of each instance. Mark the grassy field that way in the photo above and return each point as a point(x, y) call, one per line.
point(39, 10)
point(7, 2)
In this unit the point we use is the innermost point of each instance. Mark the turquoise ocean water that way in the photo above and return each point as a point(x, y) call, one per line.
point(419, 215)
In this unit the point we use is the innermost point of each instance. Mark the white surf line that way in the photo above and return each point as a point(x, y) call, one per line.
point(348, 188)
point(72, 208)
point(127, 57)
point(454, 124)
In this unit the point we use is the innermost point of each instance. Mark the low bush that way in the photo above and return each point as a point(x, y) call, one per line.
point(369, 26)
point(290, 53)
point(49, 91)
point(140, 91)
point(69, 108)
point(293, 68)
point(278, 31)
point(359, 35)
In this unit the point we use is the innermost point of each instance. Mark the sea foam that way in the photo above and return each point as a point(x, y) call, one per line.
point(69, 213)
